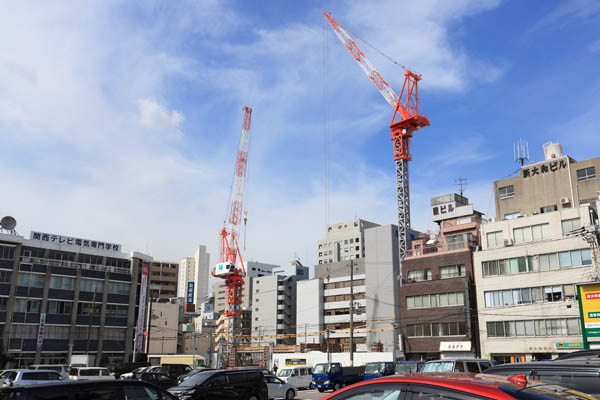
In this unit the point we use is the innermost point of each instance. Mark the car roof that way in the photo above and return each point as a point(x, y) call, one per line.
point(575, 363)
point(29, 370)
point(52, 384)
point(483, 384)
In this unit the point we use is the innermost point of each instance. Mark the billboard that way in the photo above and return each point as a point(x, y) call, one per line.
point(141, 309)
point(589, 310)
point(189, 298)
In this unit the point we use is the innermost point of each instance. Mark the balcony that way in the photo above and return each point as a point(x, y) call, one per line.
point(75, 265)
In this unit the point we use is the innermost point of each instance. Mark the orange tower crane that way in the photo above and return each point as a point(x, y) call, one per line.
point(231, 266)
point(406, 107)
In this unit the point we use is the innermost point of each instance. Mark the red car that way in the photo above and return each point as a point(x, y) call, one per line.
point(454, 386)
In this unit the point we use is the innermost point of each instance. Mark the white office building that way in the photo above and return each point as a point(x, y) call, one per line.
point(194, 275)
point(343, 241)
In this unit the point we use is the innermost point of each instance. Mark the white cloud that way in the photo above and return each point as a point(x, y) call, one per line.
point(155, 116)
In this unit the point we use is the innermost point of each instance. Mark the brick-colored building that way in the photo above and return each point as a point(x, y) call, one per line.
point(163, 279)
point(437, 299)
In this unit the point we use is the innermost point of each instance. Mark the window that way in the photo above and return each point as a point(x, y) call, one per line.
point(27, 305)
point(538, 327)
point(90, 285)
point(569, 225)
point(419, 275)
point(531, 233)
point(7, 253)
point(118, 287)
point(547, 209)
point(455, 242)
point(506, 192)
point(452, 271)
point(494, 239)
point(87, 309)
point(59, 307)
point(586, 174)
point(512, 215)
point(30, 280)
point(114, 310)
point(5, 276)
point(62, 282)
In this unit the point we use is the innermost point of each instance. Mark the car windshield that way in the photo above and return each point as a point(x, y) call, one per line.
point(285, 372)
point(321, 369)
point(195, 380)
point(375, 368)
point(441, 366)
point(406, 368)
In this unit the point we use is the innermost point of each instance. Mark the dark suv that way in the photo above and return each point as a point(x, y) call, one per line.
point(175, 370)
point(115, 389)
point(581, 375)
point(223, 384)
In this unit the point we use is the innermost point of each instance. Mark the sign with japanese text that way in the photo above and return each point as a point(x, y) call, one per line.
point(40, 337)
point(569, 345)
point(139, 332)
point(589, 309)
point(542, 169)
point(94, 244)
point(190, 293)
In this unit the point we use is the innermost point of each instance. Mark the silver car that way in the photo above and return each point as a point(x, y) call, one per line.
point(279, 389)
point(24, 377)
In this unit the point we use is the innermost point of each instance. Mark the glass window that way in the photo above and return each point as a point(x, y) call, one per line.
point(410, 302)
point(518, 235)
point(494, 239)
point(30, 280)
point(570, 225)
point(544, 262)
point(62, 282)
point(506, 192)
point(573, 326)
point(553, 257)
point(91, 285)
point(576, 258)
point(537, 232)
point(586, 174)
point(491, 329)
point(565, 259)
point(586, 257)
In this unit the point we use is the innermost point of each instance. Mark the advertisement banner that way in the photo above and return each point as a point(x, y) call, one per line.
point(190, 293)
point(139, 332)
point(40, 337)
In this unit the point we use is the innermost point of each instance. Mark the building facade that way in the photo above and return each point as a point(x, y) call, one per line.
point(527, 275)
point(164, 328)
point(163, 279)
point(274, 309)
point(343, 241)
point(438, 302)
point(294, 268)
point(61, 295)
point(194, 275)
point(557, 183)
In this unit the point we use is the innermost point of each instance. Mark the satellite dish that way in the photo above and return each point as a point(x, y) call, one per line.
point(8, 223)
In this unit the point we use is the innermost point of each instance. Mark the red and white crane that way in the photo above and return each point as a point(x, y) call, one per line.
point(406, 107)
point(231, 266)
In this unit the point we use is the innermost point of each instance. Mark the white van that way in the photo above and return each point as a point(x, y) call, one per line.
point(299, 376)
point(89, 373)
point(62, 369)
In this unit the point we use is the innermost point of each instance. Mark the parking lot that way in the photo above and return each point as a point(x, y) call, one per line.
point(311, 394)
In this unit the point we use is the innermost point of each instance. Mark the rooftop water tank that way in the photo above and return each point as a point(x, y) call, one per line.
point(552, 150)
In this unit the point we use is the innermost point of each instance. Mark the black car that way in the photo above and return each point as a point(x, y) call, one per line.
point(175, 370)
point(193, 372)
point(590, 354)
point(108, 389)
point(159, 379)
point(240, 384)
point(581, 375)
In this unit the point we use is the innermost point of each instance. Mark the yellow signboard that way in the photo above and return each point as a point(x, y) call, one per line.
point(589, 308)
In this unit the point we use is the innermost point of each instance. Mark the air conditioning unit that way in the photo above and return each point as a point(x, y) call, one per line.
point(508, 242)
point(565, 200)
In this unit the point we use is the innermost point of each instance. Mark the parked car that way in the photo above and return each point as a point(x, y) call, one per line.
point(278, 389)
point(89, 373)
point(454, 386)
point(582, 375)
point(129, 375)
point(62, 369)
point(23, 377)
point(589, 354)
point(472, 365)
point(379, 369)
point(120, 369)
point(116, 389)
point(223, 384)
point(159, 379)
point(408, 367)
point(175, 370)
point(298, 376)
point(193, 372)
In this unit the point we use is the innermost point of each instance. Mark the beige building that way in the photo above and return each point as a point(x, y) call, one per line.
point(164, 328)
point(163, 279)
point(343, 241)
point(559, 182)
point(194, 274)
point(526, 276)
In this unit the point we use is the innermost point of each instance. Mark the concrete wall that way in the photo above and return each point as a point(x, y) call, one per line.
point(382, 272)
point(309, 311)
point(164, 328)
point(264, 307)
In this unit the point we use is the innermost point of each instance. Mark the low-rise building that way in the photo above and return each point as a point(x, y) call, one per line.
point(526, 274)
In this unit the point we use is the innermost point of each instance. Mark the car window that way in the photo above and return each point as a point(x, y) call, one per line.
point(460, 367)
point(484, 365)
point(432, 394)
point(141, 393)
point(97, 394)
point(302, 371)
point(472, 366)
point(584, 382)
point(104, 372)
point(372, 392)
point(217, 380)
point(270, 379)
point(334, 369)
point(34, 376)
point(10, 375)
point(237, 377)
point(89, 372)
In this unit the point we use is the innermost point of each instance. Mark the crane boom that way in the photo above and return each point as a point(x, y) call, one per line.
point(406, 105)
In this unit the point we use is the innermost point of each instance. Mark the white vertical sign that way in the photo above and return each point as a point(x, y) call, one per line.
point(40, 337)
point(139, 332)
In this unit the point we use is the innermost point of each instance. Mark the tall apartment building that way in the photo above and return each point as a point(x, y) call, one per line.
point(438, 300)
point(343, 241)
point(60, 294)
point(274, 309)
point(527, 275)
point(194, 274)
point(557, 183)
point(254, 269)
point(163, 279)
point(223, 331)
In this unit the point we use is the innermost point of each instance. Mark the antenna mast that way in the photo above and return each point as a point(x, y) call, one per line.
point(521, 151)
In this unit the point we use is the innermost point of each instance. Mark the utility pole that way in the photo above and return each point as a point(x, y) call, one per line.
point(211, 349)
point(149, 324)
point(352, 313)
point(92, 313)
point(194, 356)
point(395, 340)
point(328, 353)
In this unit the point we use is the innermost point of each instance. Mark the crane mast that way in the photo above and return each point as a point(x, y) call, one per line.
point(231, 266)
point(406, 107)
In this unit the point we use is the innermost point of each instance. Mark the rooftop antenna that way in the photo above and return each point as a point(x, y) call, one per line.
point(521, 151)
point(461, 182)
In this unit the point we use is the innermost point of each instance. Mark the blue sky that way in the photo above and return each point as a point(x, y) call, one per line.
point(119, 120)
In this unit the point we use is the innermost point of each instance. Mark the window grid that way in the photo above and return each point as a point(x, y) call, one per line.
point(435, 300)
point(530, 295)
point(537, 263)
point(535, 327)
